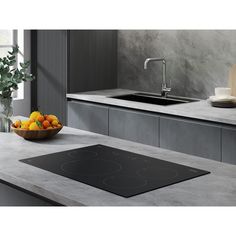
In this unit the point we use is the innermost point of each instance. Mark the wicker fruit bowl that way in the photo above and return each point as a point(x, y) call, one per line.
point(36, 134)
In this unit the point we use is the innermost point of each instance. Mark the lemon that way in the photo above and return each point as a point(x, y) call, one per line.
point(34, 115)
point(34, 126)
point(54, 122)
point(25, 124)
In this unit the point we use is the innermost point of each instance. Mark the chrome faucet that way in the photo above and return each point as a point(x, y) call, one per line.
point(164, 88)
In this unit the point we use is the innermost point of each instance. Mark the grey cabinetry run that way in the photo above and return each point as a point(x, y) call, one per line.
point(136, 126)
point(229, 145)
point(87, 116)
point(191, 137)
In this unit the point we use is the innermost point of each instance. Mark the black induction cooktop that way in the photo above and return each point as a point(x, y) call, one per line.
point(114, 170)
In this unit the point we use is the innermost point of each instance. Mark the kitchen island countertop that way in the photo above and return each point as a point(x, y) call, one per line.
point(201, 110)
point(216, 188)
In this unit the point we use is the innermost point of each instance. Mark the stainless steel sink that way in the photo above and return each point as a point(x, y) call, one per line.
point(155, 99)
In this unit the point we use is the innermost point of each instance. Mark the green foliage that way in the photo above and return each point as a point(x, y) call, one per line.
point(11, 76)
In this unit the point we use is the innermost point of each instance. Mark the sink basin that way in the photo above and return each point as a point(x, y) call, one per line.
point(154, 99)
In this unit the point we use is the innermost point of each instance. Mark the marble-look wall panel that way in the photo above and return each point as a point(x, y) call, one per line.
point(197, 60)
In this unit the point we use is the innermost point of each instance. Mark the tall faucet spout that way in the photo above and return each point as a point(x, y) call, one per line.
point(164, 88)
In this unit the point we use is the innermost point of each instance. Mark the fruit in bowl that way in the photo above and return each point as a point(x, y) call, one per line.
point(38, 126)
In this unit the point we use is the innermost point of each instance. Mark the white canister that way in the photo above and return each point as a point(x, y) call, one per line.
point(222, 92)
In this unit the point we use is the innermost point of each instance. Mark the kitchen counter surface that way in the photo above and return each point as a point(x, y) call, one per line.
point(197, 110)
point(217, 188)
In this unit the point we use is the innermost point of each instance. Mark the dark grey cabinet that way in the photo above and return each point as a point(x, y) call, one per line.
point(87, 116)
point(192, 137)
point(52, 72)
point(68, 61)
point(136, 126)
point(10, 196)
point(229, 145)
point(92, 60)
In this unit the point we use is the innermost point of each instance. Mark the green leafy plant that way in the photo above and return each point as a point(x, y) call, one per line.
point(11, 76)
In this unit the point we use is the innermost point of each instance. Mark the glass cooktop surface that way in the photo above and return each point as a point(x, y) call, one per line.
point(114, 170)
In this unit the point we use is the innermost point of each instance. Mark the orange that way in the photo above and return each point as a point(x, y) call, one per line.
point(40, 118)
point(53, 117)
point(59, 125)
point(34, 126)
point(46, 124)
point(31, 120)
point(49, 118)
point(17, 123)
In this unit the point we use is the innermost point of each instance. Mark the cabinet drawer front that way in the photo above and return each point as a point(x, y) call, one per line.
point(195, 138)
point(88, 117)
point(229, 145)
point(134, 126)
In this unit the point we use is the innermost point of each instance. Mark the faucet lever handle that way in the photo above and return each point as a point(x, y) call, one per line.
point(166, 89)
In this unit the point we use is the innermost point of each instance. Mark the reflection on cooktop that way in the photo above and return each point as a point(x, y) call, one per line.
point(117, 171)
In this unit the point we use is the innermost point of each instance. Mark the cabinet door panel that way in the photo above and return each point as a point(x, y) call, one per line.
point(88, 117)
point(191, 137)
point(229, 145)
point(52, 72)
point(93, 60)
point(135, 126)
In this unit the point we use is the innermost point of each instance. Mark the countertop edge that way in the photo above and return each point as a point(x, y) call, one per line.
point(104, 100)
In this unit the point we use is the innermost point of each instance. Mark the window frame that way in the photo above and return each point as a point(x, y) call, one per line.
point(17, 94)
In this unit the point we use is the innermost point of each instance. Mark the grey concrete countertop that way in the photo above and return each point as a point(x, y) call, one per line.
point(197, 110)
point(217, 188)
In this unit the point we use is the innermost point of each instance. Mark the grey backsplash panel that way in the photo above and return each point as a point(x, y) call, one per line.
point(197, 60)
